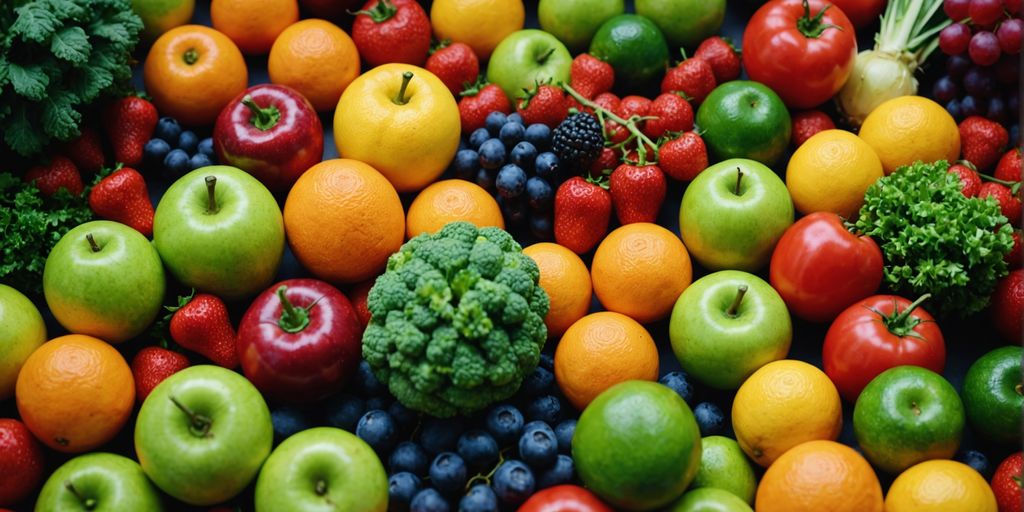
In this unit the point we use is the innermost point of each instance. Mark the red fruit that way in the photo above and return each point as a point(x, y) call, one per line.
point(358, 296)
point(478, 101)
point(591, 76)
point(614, 132)
point(637, 192)
point(692, 77)
point(546, 104)
point(1008, 306)
point(86, 151)
point(1009, 166)
point(1009, 204)
point(1006, 483)
point(633, 106)
point(123, 197)
point(152, 365)
point(60, 173)
point(392, 31)
point(607, 161)
point(970, 182)
point(202, 325)
point(456, 65)
point(608, 101)
point(982, 141)
point(21, 462)
point(582, 213)
point(672, 113)
point(684, 157)
point(129, 124)
point(1015, 258)
point(809, 122)
point(721, 56)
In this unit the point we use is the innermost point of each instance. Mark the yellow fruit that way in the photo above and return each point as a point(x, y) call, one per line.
point(565, 278)
point(940, 486)
point(448, 201)
point(783, 404)
point(830, 173)
point(910, 128)
point(481, 24)
point(818, 476)
point(409, 135)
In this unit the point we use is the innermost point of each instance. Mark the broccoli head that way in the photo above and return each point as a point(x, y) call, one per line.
point(457, 320)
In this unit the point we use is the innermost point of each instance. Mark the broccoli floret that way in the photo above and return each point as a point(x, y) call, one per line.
point(457, 320)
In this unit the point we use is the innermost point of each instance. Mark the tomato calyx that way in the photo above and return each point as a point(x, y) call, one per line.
point(812, 27)
point(903, 323)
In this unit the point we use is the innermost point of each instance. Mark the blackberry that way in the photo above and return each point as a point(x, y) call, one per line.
point(578, 140)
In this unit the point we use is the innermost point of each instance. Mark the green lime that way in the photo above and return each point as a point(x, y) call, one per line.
point(993, 397)
point(574, 22)
point(723, 465)
point(709, 499)
point(634, 46)
point(159, 16)
point(745, 119)
point(684, 22)
point(637, 445)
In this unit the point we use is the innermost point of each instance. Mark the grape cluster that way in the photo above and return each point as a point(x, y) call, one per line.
point(174, 152)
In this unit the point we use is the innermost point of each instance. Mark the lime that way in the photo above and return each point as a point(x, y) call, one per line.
point(684, 22)
point(637, 445)
point(745, 119)
point(159, 16)
point(634, 46)
point(709, 499)
point(574, 22)
point(723, 465)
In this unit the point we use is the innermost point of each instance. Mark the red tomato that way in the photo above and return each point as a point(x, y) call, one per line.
point(819, 268)
point(861, 12)
point(564, 498)
point(802, 49)
point(878, 333)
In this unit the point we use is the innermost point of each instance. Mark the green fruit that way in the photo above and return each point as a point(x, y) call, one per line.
point(159, 16)
point(98, 482)
point(637, 445)
point(709, 499)
point(574, 22)
point(635, 48)
point(527, 58)
point(744, 119)
point(21, 335)
point(684, 22)
point(724, 466)
point(993, 396)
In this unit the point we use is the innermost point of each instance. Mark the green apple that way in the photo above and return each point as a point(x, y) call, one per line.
point(202, 434)
point(684, 22)
point(159, 16)
point(907, 415)
point(104, 279)
point(526, 58)
point(732, 215)
point(21, 335)
point(710, 499)
point(98, 482)
point(574, 22)
point(728, 324)
point(745, 119)
point(993, 395)
point(322, 468)
point(219, 230)
point(723, 465)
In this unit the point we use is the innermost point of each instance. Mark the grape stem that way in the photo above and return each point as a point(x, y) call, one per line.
point(630, 125)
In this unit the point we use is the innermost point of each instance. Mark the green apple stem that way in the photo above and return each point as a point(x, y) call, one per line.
point(321, 488)
point(1019, 388)
point(630, 124)
point(211, 195)
point(741, 290)
point(292, 319)
point(262, 118)
point(401, 99)
point(92, 242)
point(191, 56)
point(739, 179)
point(901, 323)
point(200, 426)
point(914, 407)
point(87, 503)
point(544, 56)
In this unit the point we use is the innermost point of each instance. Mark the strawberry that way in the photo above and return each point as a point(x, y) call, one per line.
point(544, 104)
point(683, 157)
point(478, 101)
point(1009, 166)
point(86, 151)
point(723, 58)
point(808, 123)
point(392, 31)
point(672, 113)
point(608, 101)
point(123, 197)
point(637, 192)
point(129, 124)
point(1006, 482)
point(591, 76)
point(633, 106)
point(1009, 204)
point(1008, 306)
point(60, 173)
point(607, 161)
point(152, 365)
point(692, 77)
point(970, 182)
point(201, 324)
point(615, 132)
point(456, 65)
point(982, 141)
point(1015, 258)
point(582, 212)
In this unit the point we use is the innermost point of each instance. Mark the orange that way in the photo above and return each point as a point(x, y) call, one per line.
point(451, 200)
point(601, 350)
point(783, 404)
point(75, 393)
point(316, 58)
point(906, 129)
point(481, 24)
point(818, 476)
point(639, 270)
point(192, 71)
point(565, 278)
point(253, 24)
point(940, 486)
point(830, 173)
point(343, 219)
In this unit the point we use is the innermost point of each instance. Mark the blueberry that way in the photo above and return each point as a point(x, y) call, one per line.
point(480, 498)
point(513, 482)
point(410, 457)
point(563, 434)
point(505, 423)
point(401, 488)
point(709, 418)
point(367, 381)
point(188, 141)
point(538, 382)
point(541, 226)
point(539, 194)
point(466, 164)
point(538, 447)
point(511, 181)
point(494, 121)
point(485, 179)
point(969, 107)
point(168, 129)
point(378, 430)
point(448, 473)
point(402, 415)
point(479, 449)
point(954, 109)
point(560, 473)
point(539, 135)
point(378, 402)
point(511, 134)
point(678, 382)
point(546, 165)
point(206, 147)
point(546, 408)
point(976, 460)
point(514, 117)
point(492, 154)
point(177, 162)
point(154, 152)
point(344, 411)
point(199, 160)
point(288, 420)
point(547, 361)
point(428, 500)
point(514, 209)
point(523, 155)
point(440, 435)
point(478, 137)
point(997, 110)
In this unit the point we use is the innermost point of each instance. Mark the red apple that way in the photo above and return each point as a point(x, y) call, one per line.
point(21, 462)
point(300, 340)
point(271, 132)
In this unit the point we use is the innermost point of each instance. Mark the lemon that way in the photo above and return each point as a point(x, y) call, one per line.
point(940, 486)
point(481, 24)
point(830, 173)
point(906, 129)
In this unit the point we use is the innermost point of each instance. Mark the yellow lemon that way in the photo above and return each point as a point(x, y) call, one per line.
point(481, 24)
point(906, 129)
point(830, 173)
point(940, 486)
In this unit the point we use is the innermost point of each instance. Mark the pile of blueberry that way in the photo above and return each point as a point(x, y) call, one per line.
point(710, 417)
point(174, 152)
point(514, 162)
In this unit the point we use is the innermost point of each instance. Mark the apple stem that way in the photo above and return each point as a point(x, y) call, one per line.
point(741, 290)
point(321, 488)
point(915, 408)
point(88, 503)
point(211, 189)
point(262, 118)
point(1019, 388)
point(545, 55)
point(191, 56)
point(739, 179)
point(400, 99)
point(292, 319)
point(92, 242)
point(200, 424)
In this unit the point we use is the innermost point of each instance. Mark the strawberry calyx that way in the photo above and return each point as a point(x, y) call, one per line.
point(472, 89)
point(380, 13)
point(601, 181)
point(436, 45)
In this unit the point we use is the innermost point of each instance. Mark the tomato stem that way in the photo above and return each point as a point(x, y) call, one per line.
point(262, 118)
point(812, 27)
point(901, 323)
point(92, 242)
point(401, 99)
point(741, 290)
point(211, 195)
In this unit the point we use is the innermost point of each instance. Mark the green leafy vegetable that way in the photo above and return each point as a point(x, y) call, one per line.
point(934, 239)
point(56, 58)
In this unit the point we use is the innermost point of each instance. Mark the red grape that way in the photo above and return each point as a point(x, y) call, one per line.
point(1012, 6)
point(957, 66)
point(978, 82)
point(956, 9)
point(983, 12)
point(1007, 70)
point(984, 48)
point(954, 39)
point(1009, 35)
